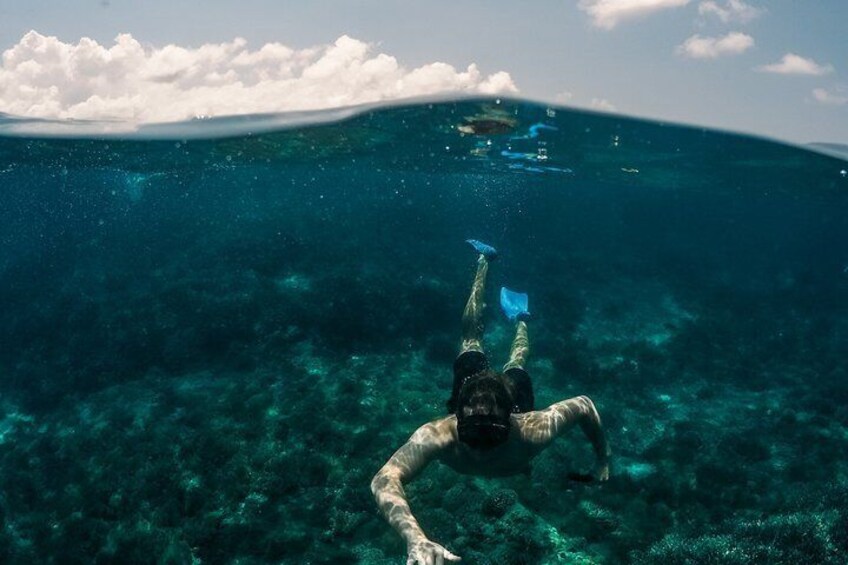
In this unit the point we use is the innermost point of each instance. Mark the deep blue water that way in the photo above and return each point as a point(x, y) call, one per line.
point(209, 345)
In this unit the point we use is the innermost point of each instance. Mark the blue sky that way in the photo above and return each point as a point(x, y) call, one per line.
point(778, 69)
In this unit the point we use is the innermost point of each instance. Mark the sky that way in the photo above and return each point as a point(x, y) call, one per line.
point(776, 68)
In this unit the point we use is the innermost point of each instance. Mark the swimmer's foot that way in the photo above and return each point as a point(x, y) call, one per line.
point(483, 249)
point(514, 305)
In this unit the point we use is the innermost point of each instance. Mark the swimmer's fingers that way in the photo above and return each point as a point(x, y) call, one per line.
point(450, 556)
point(599, 474)
point(445, 554)
point(426, 552)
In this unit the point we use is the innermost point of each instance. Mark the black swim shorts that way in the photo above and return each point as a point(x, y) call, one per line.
point(470, 363)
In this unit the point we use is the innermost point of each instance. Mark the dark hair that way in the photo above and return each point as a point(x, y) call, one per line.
point(482, 407)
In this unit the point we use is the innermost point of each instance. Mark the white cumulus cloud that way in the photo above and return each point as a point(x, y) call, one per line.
point(698, 47)
point(564, 96)
point(829, 98)
point(608, 13)
point(730, 11)
point(44, 77)
point(792, 64)
point(602, 105)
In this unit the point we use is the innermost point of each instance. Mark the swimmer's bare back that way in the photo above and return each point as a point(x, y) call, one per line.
point(530, 434)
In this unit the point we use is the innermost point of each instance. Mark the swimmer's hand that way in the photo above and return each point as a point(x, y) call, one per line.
point(599, 474)
point(425, 552)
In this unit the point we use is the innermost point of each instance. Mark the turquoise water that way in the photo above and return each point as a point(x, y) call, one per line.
point(210, 345)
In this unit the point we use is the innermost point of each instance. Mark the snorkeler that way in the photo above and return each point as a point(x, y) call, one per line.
point(492, 429)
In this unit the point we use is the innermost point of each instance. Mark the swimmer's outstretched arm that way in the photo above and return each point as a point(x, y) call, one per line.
point(543, 426)
point(387, 487)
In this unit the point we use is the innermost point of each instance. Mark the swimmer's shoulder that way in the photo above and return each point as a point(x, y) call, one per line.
point(529, 426)
point(440, 432)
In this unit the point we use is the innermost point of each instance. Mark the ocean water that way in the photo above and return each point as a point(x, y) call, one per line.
point(212, 336)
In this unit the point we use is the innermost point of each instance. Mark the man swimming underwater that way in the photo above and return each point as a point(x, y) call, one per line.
point(492, 429)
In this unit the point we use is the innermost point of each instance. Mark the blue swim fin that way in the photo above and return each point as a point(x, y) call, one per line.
point(484, 249)
point(514, 305)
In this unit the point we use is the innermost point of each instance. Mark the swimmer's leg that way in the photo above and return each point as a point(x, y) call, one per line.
point(471, 359)
point(472, 316)
point(522, 394)
point(520, 347)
